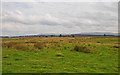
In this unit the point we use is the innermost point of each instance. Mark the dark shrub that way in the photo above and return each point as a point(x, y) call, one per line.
point(98, 42)
point(39, 45)
point(60, 35)
point(73, 35)
point(70, 41)
point(31, 42)
point(82, 49)
point(51, 35)
point(89, 44)
point(46, 36)
point(104, 34)
point(116, 46)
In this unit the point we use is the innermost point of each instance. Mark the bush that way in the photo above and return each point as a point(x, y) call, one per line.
point(31, 42)
point(38, 45)
point(60, 35)
point(82, 49)
point(9, 44)
point(70, 41)
point(15, 45)
point(115, 46)
point(73, 35)
point(21, 47)
point(98, 42)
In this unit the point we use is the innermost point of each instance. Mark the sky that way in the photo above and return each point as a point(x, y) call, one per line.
point(26, 18)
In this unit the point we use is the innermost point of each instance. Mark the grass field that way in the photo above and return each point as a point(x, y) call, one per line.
point(60, 55)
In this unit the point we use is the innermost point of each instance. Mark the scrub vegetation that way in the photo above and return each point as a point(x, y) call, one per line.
point(85, 54)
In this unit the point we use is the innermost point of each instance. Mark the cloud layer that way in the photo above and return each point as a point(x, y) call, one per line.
point(20, 18)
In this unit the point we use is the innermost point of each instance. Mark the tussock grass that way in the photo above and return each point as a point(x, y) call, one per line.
point(54, 55)
point(15, 45)
point(21, 47)
point(9, 44)
point(82, 49)
point(39, 45)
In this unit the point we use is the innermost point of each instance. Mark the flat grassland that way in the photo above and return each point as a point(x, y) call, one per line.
point(86, 54)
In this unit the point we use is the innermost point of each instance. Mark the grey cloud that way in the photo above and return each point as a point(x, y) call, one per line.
point(59, 17)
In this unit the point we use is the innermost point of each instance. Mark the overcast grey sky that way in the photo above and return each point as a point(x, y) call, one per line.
point(22, 18)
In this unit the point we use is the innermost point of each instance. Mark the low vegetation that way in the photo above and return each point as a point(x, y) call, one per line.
point(21, 47)
point(60, 54)
point(82, 49)
point(39, 45)
point(15, 45)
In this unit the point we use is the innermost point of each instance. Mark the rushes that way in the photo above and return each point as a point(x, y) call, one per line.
point(39, 45)
point(82, 49)
point(21, 47)
point(45, 44)
point(15, 45)
point(9, 44)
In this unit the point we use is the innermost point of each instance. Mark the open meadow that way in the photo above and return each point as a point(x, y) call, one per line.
point(84, 54)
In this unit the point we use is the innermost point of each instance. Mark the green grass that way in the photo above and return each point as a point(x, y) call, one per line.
point(60, 58)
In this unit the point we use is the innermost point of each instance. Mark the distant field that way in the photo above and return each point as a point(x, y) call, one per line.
point(87, 54)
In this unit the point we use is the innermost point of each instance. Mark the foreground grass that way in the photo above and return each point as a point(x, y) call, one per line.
point(103, 59)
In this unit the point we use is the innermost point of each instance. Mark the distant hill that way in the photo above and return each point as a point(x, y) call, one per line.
point(89, 33)
point(97, 33)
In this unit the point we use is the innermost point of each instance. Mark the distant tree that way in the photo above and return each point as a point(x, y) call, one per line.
point(60, 35)
point(52, 35)
point(73, 35)
point(104, 34)
point(46, 36)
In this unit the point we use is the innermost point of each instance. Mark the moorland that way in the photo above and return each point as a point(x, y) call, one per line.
point(53, 54)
